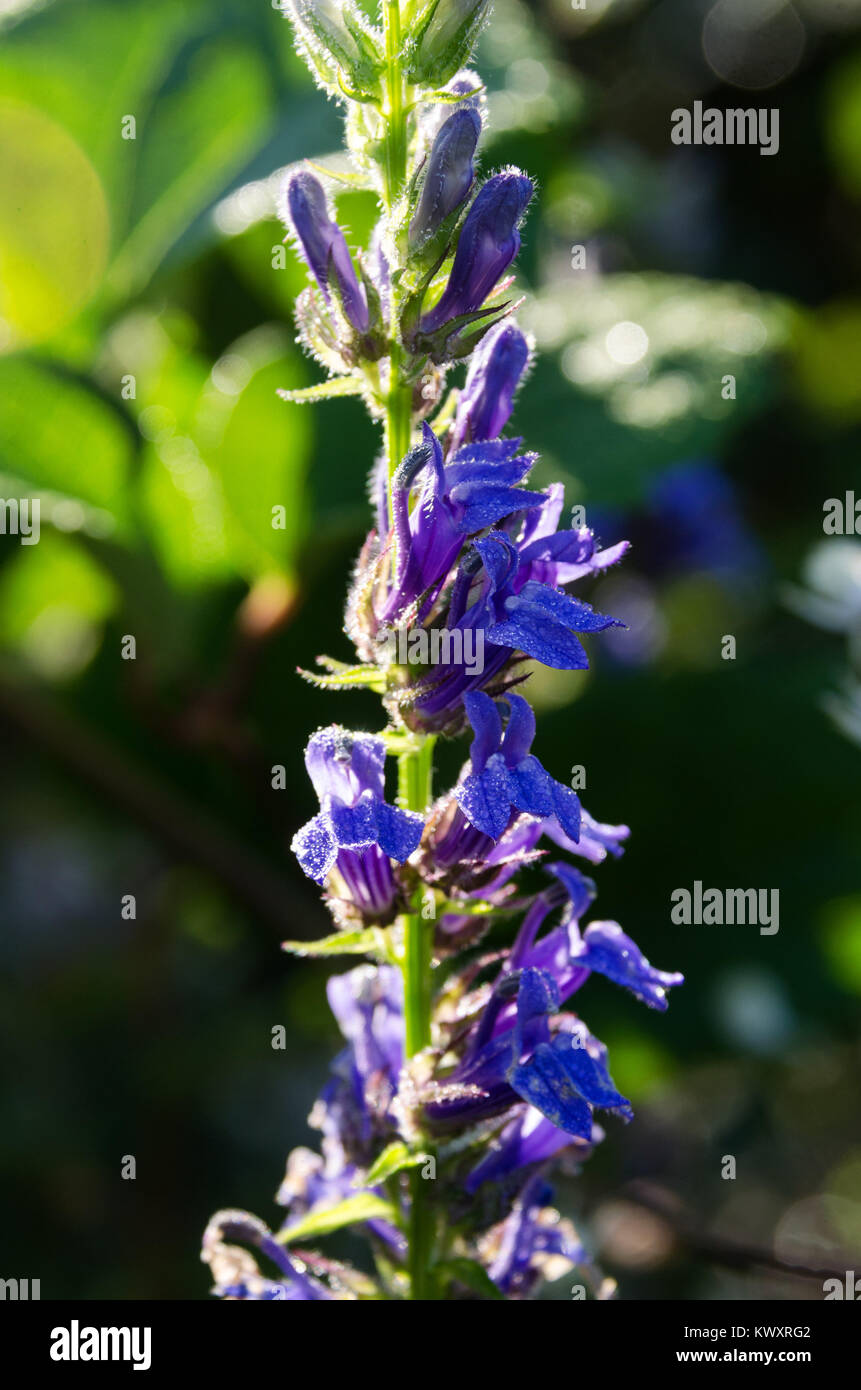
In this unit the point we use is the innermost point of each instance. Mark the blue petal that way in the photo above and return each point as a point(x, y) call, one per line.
point(564, 608)
point(344, 764)
point(566, 808)
point(483, 714)
point(501, 473)
point(544, 1085)
point(495, 451)
point(484, 798)
point(398, 832)
point(580, 890)
point(530, 787)
point(530, 1138)
point(519, 731)
point(354, 826)
point(315, 847)
point(610, 952)
point(537, 998)
point(528, 629)
point(562, 1080)
point(590, 1076)
point(485, 504)
point(499, 558)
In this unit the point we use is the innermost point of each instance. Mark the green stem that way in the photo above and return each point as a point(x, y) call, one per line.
point(395, 106)
point(398, 412)
point(399, 396)
point(415, 766)
point(415, 777)
point(415, 772)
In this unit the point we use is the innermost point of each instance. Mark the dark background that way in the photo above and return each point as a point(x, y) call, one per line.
point(153, 257)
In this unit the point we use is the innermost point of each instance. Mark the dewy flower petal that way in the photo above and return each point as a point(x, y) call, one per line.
point(541, 622)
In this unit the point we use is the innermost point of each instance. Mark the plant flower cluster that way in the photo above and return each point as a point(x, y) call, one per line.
point(464, 1074)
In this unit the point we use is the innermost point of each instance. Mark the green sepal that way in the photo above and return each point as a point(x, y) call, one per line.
point(343, 677)
point(324, 390)
point(470, 1273)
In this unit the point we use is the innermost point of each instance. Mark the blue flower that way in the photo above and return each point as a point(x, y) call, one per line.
point(325, 249)
point(354, 1112)
point(478, 488)
point(488, 242)
point(527, 1140)
point(531, 616)
point(532, 1243)
point(503, 781)
point(561, 1072)
point(521, 1049)
point(505, 777)
point(506, 589)
point(356, 832)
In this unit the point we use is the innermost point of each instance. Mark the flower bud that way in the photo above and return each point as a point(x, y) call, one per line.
point(488, 243)
point(449, 175)
point(304, 207)
point(445, 35)
point(467, 87)
point(336, 43)
point(494, 374)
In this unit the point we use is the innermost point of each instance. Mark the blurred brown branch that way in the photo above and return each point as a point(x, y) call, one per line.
point(714, 1249)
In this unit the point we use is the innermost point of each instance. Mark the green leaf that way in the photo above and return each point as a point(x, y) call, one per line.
point(52, 198)
point(258, 451)
point(54, 600)
point(365, 1206)
point(370, 940)
point(60, 435)
point(191, 144)
point(469, 1273)
point(394, 1159)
